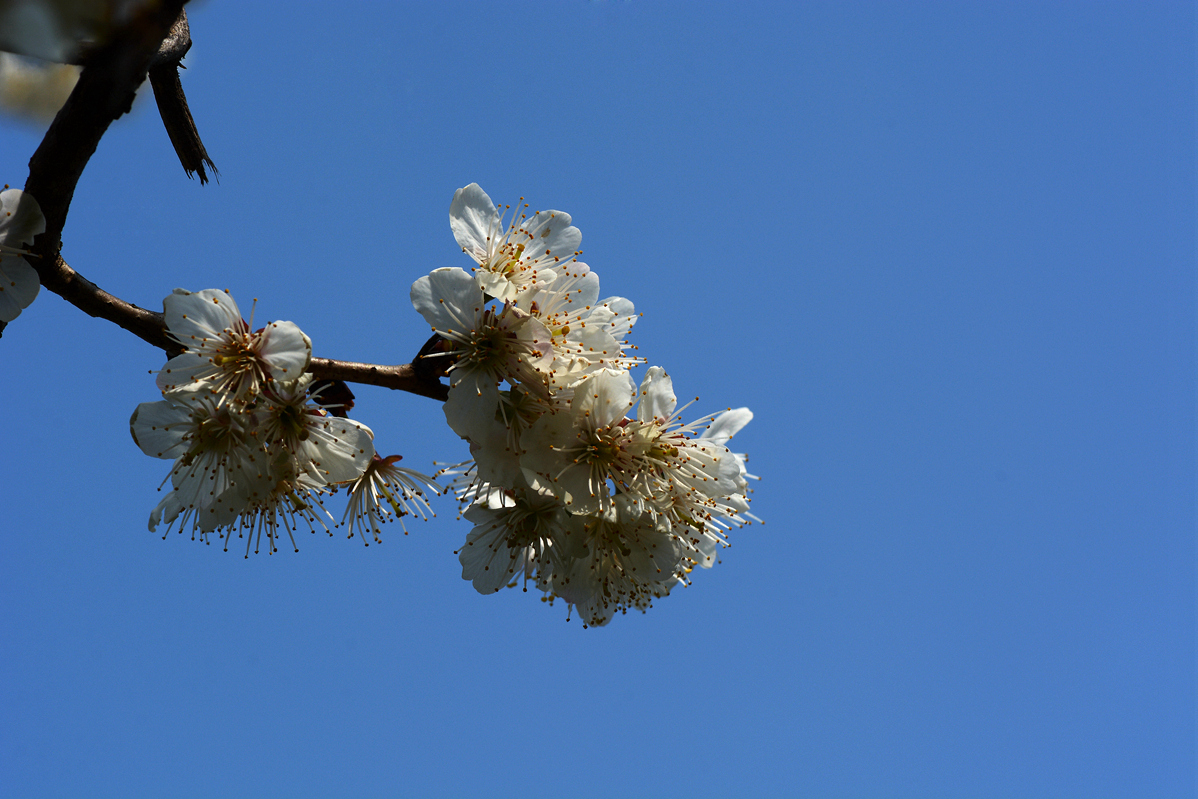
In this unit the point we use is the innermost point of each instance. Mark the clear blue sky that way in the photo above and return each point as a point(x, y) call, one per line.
point(944, 251)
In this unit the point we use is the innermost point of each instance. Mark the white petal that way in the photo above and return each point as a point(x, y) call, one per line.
point(158, 428)
point(337, 451)
point(552, 231)
point(496, 285)
point(728, 424)
point(604, 397)
point(286, 349)
point(585, 290)
point(617, 315)
point(470, 409)
point(473, 218)
point(543, 444)
point(166, 511)
point(200, 315)
point(487, 561)
point(179, 374)
point(18, 286)
point(657, 396)
point(447, 298)
point(20, 218)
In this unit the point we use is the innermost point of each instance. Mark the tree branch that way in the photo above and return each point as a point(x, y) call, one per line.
point(172, 103)
point(104, 93)
point(85, 295)
point(403, 377)
point(150, 327)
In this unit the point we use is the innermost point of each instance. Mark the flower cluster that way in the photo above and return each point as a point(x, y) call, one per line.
point(254, 449)
point(20, 220)
point(581, 481)
point(569, 488)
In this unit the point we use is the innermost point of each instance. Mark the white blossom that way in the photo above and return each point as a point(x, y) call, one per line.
point(594, 448)
point(21, 220)
point(518, 533)
point(213, 445)
point(587, 334)
point(259, 466)
point(485, 346)
point(328, 449)
point(515, 254)
point(309, 452)
point(631, 558)
point(277, 498)
point(580, 482)
point(580, 450)
point(223, 355)
point(386, 492)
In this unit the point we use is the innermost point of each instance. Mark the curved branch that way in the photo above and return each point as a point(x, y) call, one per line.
point(149, 326)
point(104, 93)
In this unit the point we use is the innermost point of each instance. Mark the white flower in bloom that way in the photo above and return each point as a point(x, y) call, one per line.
point(327, 449)
point(580, 450)
point(213, 446)
point(487, 346)
point(692, 486)
point(223, 355)
point(631, 558)
point(580, 482)
point(518, 532)
point(733, 509)
point(494, 443)
point(258, 466)
point(309, 451)
point(21, 220)
point(386, 492)
point(593, 448)
point(515, 254)
point(693, 471)
point(587, 334)
point(276, 498)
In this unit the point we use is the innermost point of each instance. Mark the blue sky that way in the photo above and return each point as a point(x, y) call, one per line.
point(945, 252)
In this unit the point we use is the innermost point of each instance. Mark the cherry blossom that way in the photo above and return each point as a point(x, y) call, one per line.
point(222, 354)
point(386, 492)
point(580, 483)
point(512, 254)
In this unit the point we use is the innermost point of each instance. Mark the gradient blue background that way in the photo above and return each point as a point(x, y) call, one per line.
point(944, 251)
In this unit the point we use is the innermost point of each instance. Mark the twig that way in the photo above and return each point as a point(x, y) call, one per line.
point(403, 377)
point(172, 103)
point(104, 93)
point(94, 301)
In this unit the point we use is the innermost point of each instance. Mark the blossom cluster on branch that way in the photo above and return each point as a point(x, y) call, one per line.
point(255, 450)
point(580, 481)
point(568, 488)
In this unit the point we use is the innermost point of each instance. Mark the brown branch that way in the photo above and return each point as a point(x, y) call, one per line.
point(105, 92)
point(403, 377)
point(85, 295)
point(172, 103)
point(150, 327)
